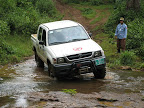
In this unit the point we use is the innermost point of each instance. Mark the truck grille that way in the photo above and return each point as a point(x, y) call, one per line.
point(78, 56)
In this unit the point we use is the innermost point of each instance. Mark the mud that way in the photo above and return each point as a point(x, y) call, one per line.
point(25, 85)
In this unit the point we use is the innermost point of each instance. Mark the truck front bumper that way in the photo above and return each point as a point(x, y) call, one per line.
point(77, 68)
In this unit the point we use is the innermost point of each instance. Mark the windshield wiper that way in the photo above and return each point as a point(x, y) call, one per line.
point(55, 43)
point(76, 40)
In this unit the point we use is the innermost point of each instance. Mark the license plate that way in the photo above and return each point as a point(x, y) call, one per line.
point(85, 69)
point(99, 61)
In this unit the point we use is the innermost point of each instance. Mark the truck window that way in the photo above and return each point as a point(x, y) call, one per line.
point(40, 34)
point(44, 37)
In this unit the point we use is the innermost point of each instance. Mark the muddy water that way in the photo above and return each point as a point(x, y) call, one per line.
point(18, 80)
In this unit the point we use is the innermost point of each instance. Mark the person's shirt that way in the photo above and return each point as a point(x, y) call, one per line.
point(121, 31)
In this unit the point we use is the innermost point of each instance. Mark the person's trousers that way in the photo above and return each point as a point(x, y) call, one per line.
point(121, 44)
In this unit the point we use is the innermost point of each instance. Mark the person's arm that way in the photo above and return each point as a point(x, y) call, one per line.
point(116, 32)
point(125, 33)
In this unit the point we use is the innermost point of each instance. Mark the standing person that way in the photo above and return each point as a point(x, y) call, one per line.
point(121, 35)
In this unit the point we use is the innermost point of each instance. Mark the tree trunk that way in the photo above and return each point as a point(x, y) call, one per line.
point(133, 4)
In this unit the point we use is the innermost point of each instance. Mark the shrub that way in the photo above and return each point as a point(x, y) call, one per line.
point(113, 20)
point(24, 3)
point(46, 6)
point(4, 28)
point(96, 2)
point(7, 5)
point(136, 36)
point(127, 58)
point(7, 48)
point(23, 21)
point(121, 11)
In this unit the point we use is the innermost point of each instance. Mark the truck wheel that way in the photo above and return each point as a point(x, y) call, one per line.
point(39, 62)
point(100, 73)
point(50, 72)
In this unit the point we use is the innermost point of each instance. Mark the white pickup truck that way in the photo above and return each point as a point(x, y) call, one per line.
point(68, 50)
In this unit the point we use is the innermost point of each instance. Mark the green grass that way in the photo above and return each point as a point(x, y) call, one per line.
point(103, 7)
point(113, 59)
point(99, 18)
point(98, 28)
point(69, 91)
point(86, 10)
point(109, 47)
point(21, 46)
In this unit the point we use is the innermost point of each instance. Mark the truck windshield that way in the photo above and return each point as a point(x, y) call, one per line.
point(66, 35)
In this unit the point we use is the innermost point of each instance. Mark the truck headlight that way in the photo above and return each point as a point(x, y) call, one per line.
point(60, 60)
point(97, 54)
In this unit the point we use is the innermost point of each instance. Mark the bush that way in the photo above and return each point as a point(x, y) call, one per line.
point(24, 3)
point(136, 36)
point(7, 6)
point(5, 49)
point(134, 20)
point(46, 6)
point(121, 11)
point(23, 21)
point(127, 58)
point(96, 2)
point(4, 28)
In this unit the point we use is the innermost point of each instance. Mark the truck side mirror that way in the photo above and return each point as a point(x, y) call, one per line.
point(41, 42)
point(90, 34)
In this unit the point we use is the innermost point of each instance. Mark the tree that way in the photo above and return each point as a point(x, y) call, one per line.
point(133, 4)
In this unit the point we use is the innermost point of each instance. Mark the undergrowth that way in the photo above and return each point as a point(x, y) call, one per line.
point(18, 20)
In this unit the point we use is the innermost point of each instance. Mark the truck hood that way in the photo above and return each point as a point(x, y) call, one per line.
point(77, 47)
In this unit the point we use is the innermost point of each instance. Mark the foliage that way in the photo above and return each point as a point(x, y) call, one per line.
point(71, 1)
point(23, 21)
point(135, 22)
point(96, 2)
point(5, 49)
point(13, 48)
point(92, 2)
point(46, 6)
point(19, 19)
point(127, 58)
point(136, 36)
point(22, 15)
point(6, 7)
point(4, 28)
point(121, 11)
point(69, 91)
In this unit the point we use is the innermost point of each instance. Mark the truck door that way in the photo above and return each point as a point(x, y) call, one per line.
point(39, 39)
point(43, 47)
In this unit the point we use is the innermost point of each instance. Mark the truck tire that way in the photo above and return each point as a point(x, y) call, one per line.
point(100, 73)
point(50, 72)
point(39, 62)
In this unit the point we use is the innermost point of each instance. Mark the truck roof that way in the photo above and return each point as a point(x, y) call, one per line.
point(60, 24)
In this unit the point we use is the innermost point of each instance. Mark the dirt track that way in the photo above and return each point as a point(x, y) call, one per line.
point(71, 13)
